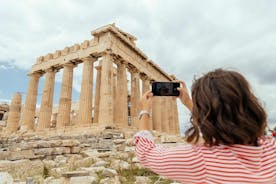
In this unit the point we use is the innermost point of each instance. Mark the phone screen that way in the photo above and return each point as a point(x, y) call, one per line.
point(165, 88)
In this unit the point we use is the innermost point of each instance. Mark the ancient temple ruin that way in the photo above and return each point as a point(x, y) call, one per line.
point(115, 102)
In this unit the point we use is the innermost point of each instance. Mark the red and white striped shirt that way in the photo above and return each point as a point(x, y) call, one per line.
point(216, 164)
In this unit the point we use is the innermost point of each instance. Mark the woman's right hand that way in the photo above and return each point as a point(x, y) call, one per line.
point(184, 96)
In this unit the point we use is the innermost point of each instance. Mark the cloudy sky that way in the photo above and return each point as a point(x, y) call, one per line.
point(185, 37)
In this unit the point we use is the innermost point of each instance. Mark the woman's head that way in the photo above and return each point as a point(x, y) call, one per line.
point(225, 110)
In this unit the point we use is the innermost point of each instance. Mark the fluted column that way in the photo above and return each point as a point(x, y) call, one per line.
point(157, 113)
point(115, 112)
point(165, 114)
point(175, 117)
point(122, 96)
point(46, 107)
point(97, 93)
point(86, 95)
point(14, 113)
point(65, 99)
point(106, 92)
point(146, 87)
point(54, 120)
point(171, 115)
point(28, 116)
point(135, 96)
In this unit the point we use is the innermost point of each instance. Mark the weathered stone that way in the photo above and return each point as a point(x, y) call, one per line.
point(130, 142)
point(107, 136)
point(103, 155)
point(49, 164)
point(75, 150)
point(6, 178)
point(119, 141)
point(135, 160)
point(89, 152)
point(61, 160)
point(86, 162)
point(129, 149)
point(100, 163)
point(83, 180)
point(52, 180)
point(113, 180)
point(119, 164)
point(19, 155)
point(57, 172)
point(22, 168)
point(142, 180)
point(109, 172)
point(75, 174)
point(70, 143)
point(55, 143)
point(93, 169)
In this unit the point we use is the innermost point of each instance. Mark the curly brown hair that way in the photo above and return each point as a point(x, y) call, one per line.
point(225, 110)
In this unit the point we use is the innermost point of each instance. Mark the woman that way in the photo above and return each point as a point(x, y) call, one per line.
point(232, 124)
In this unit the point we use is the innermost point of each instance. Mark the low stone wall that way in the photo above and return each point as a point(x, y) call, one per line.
point(100, 157)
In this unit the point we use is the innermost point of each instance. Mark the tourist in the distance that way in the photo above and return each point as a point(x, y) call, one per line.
point(232, 123)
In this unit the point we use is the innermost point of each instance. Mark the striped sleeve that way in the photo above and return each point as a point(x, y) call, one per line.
point(182, 163)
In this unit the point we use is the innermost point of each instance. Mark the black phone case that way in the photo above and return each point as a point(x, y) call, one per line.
point(165, 88)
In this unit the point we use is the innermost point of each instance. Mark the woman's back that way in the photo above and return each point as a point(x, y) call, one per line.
point(240, 163)
point(216, 164)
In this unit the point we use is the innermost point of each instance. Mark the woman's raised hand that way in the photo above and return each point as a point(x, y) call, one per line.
point(184, 96)
point(146, 101)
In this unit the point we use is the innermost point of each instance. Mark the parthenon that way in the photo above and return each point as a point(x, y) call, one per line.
point(113, 54)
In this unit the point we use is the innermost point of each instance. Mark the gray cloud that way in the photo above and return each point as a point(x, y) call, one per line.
point(185, 38)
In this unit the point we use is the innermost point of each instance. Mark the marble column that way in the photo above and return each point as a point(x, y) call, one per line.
point(97, 93)
point(171, 115)
point(46, 107)
point(64, 108)
point(157, 113)
point(115, 112)
point(106, 111)
point(14, 113)
point(135, 97)
point(165, 114)
point(146, 87)
point(28, 116)
point(175, 117)
point(54, 120)
point(122, 96)
point(86, 94)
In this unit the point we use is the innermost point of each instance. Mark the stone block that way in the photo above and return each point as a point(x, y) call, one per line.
point(83, 179)
point(70, 143)
point(6, 178)
point(75, 150)
point(24, 154)
point(100, 163)
point(142, 180)
point(74, 174)
point(21, 169)
point(109, 172)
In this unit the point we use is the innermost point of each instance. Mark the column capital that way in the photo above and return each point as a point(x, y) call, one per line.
point(144, 77)
point(35, 74)
point(133, 70)
point(69, 64)
point(120, 62)
point(99, 67)
point(52, 69)
point(89, 58)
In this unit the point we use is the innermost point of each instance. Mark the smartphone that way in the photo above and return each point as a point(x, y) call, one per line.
point(165, 88)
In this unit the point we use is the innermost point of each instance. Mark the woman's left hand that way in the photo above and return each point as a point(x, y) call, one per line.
point(146, 101)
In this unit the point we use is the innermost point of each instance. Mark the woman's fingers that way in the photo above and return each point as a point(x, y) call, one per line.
point(148, 94)
point(183, 84)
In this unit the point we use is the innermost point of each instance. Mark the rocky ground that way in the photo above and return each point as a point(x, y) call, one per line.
point(100, 157)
